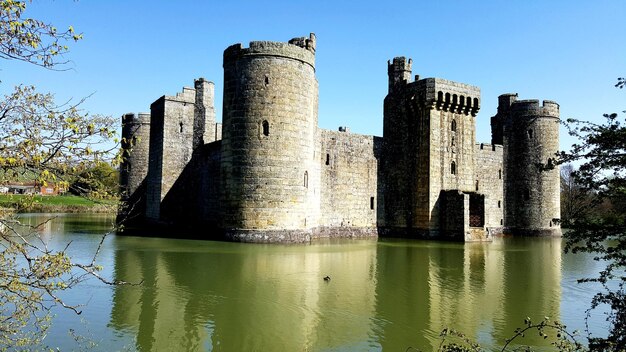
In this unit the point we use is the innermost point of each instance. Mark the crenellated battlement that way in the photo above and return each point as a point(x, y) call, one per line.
point(275, 176)
point(301, 49)
point(505, 101)
point(486, 147)
point(531, 107)
point(399, 71)
point(306, 43)
point(453, 96)
point(186, 95)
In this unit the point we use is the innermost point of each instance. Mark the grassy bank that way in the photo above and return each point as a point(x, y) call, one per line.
point(56, 204)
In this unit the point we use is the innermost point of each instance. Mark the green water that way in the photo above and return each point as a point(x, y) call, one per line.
point(382, 294)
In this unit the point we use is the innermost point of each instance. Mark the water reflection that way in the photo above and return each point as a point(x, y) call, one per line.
point(483, 290)
point(234, 297)
point(385, 295)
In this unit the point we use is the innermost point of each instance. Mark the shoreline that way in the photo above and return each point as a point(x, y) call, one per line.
point(56, 204)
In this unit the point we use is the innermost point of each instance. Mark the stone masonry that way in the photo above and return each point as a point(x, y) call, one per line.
point(269, 174)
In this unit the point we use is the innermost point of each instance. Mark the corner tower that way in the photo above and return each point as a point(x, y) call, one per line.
point(134, 166)
point(531, 181)
point(135, 143)
point(269, 172)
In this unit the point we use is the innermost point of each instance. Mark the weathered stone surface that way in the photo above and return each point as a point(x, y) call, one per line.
point(531, 193)
point(269, 174)
point(349, 180)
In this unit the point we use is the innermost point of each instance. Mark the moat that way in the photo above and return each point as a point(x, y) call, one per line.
point(382, 294)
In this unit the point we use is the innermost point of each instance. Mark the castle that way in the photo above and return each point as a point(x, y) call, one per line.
point(267, 173)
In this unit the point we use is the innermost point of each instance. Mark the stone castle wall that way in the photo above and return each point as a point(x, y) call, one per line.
point(171, 146)
point(429, 131)
point(134, 167)
point(269, 166)
point(349, 180)
point(489, 180)
point(531, 193)
point(269, 174)
point(451, 140)
point(136, 145)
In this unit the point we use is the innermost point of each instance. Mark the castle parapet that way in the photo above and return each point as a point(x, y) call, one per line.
point(301, 49)
point(453, 96)
point(399, 71)
point(505, 101)
point(531, 107)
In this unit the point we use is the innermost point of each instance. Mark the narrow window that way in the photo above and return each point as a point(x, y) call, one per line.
point(440, 96)
point(500, 174)
point(327, 159)
point(501, 222)
point(181, 127)
point(453, 126)
point(306, 179)
point(499, 204)
point(530, 133)
point(266, 128)
point(267, 80)
point(372, 203)
point(476, 185)
point(453, 168)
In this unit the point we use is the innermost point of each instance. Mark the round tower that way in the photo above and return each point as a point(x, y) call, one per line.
point(270, 170)
point(531, 180)
point(135, 145)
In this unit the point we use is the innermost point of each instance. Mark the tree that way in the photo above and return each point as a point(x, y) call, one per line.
point(46, 139)
point(602, 150)
point(32, 40)
point(575, 201)
point(46, 142)
point(100, 180)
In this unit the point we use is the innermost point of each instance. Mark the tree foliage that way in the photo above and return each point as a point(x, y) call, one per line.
point(31, 277)
point(602, 151)
point(40, 141)
point(560, 338)
point(100, 180)
point(48, 140)
point(32, 40)
point(576, 200)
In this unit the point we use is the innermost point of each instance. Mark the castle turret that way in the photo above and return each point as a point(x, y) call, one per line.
point(134, 166)
point(497, 121)
point(135, 143)
point(204, 113)
point(270, 173)
point(531, 181)
point(399, 71)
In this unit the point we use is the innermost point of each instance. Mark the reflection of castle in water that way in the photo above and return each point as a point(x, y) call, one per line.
point(223, 300)
point(233, 297)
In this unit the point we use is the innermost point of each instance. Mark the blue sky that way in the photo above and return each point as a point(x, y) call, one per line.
point(136, 51)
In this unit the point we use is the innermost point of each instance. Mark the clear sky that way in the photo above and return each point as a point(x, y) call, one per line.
point(133, 52)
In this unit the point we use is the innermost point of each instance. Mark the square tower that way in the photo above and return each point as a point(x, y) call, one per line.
point(429, 133)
